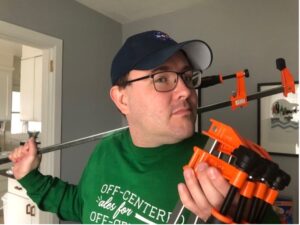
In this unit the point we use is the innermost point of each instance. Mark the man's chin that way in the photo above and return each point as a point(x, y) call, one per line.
point(184, 131)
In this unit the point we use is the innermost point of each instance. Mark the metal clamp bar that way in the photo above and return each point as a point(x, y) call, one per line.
point(255, 96)
point(69, 144)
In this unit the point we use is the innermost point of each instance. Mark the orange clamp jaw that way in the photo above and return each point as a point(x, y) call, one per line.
point(239, 99)
point(287, 79)
point(229, 139)
point(221, 78)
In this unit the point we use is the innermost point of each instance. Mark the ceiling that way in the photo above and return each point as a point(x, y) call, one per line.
point(126, 11)
point(122, 11)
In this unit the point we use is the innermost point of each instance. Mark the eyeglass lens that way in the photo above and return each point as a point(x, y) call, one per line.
point(167, 81)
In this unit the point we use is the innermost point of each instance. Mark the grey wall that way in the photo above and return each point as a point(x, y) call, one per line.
point(242, 34)
point(89, 42)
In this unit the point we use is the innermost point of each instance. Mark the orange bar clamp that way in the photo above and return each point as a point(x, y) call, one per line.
point(239, 98)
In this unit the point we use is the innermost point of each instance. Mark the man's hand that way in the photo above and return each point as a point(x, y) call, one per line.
point(24, 159)
point(203, 190)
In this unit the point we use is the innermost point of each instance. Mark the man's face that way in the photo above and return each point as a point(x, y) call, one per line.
point(157, 118)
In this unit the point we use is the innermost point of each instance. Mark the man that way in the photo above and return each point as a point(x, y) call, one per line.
point(132, 175)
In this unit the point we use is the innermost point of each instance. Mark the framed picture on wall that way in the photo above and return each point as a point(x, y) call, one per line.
point(278, 121)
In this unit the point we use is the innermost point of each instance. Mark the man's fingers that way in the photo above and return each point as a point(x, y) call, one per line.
point(213, 184)
point(203, 190)
point(18, 153)
point(189, 202)
point(195, 199)
point(194, 187)
point(29, 148)
point(220, 183)
point(24, 159)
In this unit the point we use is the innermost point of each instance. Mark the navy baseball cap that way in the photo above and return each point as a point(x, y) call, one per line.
point(150, 49)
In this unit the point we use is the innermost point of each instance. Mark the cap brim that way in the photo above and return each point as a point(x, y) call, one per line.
point(198, 53)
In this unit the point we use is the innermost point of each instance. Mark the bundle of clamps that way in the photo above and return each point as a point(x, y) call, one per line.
point(249, 171)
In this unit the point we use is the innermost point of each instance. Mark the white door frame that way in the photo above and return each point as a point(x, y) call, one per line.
point(51, 94)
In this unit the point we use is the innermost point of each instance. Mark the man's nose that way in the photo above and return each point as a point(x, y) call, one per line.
point(182, 88)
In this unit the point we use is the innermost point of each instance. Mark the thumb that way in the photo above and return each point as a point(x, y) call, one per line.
point(32, 146)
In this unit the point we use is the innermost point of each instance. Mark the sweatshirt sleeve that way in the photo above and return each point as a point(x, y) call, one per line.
point(53, 195)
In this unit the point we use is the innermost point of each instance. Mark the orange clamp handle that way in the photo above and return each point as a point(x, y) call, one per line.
point(239, 99)
point(271, 196)
point(220, 217)
point(261, 189)
point(248, 189)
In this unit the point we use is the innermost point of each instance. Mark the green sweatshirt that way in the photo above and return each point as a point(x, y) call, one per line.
point(121, 183)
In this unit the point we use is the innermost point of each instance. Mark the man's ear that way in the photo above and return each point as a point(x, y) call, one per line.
point(119, 97)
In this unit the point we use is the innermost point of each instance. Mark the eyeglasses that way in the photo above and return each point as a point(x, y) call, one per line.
point(167, 80)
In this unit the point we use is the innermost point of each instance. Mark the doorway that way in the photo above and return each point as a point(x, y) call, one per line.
point(50, 97)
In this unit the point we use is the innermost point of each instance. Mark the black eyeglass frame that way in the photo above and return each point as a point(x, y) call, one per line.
point(180, 74)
